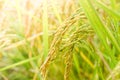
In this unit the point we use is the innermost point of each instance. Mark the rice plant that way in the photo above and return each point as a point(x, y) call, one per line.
point(59, 40)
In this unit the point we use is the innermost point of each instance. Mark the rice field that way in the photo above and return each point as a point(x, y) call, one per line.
point(59, 40)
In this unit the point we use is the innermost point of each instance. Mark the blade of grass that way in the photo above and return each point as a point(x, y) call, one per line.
point(76, 62)
point(45, 28)
point(95, 22)
point(102, 31)
point(87, 60)
point(111, 11)
point(108, 10)
point(19, 63)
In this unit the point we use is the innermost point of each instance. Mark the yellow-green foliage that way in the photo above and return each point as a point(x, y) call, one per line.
point(59, 39)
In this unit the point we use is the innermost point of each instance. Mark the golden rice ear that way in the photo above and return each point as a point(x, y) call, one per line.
point(57, 41)
point(68, 62)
